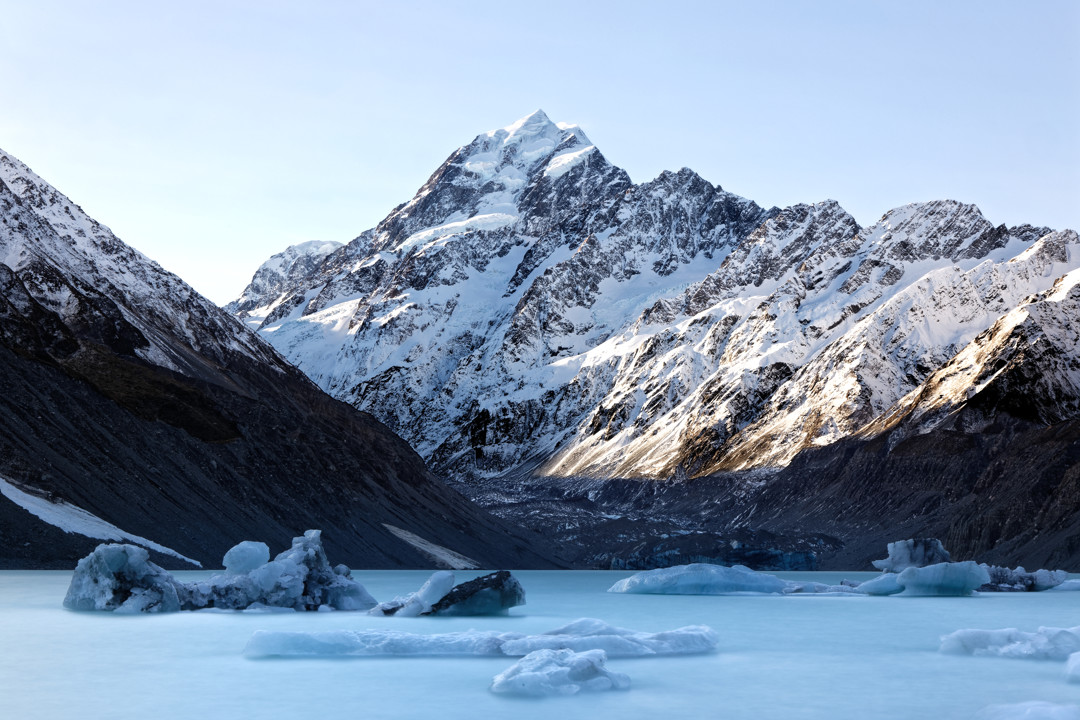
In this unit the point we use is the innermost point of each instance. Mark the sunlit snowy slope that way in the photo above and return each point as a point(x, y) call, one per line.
point(532, 309)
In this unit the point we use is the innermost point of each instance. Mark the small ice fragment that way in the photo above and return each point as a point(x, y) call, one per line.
point(245, 557)
point(559, 672)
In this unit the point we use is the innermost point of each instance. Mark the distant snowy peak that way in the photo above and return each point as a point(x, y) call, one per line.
point(281, 272)
point(530, 307)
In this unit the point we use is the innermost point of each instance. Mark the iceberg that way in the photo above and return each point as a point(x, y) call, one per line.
point(558, 672)
point(701, 579)
point(492, 594)
point(245, 557)
point(579, 636)
point(944, 579)
point(1003, 579)
point(916, 552)
point(1046, 643)
point(121, 578)
point(421, 601)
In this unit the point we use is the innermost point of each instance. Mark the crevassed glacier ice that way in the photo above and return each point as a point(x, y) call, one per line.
point(558, 672)
point(1046, 643)
point(579, 636)
point(700, 579)
point(121, 578)
point(915, 552)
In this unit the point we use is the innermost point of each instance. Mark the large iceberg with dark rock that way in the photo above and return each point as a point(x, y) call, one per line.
point(558, 672)
point(579, 636)
point(121, 578)
point(1003, 579)
point(492, 594)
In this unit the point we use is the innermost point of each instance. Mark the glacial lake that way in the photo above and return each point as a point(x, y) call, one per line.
point(779, 657)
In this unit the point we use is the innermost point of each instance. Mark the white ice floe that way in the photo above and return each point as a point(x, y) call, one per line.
point(1034, 710)
point(945, 579)
point(1046, 643)
point(1067, 586)
point(558, 672)
point(700, 579)
point(579, 636)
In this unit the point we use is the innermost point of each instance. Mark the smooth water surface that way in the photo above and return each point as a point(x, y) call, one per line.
point(779, 657)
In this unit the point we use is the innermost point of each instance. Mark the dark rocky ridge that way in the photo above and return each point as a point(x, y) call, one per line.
point(159, 414)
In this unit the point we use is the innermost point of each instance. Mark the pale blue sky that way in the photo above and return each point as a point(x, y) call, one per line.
point(211, 135)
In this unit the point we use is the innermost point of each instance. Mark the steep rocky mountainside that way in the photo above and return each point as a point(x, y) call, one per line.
point(130, 404)
point(530, 308)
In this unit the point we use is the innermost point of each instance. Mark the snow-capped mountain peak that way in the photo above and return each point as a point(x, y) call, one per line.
point(531, 307)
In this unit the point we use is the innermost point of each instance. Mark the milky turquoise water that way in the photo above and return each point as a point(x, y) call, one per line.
point(779, 657)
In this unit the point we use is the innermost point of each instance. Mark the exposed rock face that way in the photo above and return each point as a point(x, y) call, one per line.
point(127, 395)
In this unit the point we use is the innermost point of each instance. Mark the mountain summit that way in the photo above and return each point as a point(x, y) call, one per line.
point(532, 313)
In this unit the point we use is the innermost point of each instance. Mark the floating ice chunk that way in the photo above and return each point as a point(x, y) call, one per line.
point(492, 594)
point(700, 579)
point(916, 552)
point(579, 636)
point(121, 578)
point(421, 601)
point(1072, 668)
point(1035, 710)
point(558, 672)
point(885, 584)
point(1018, 579)
point(245, 557)
point(1067, 586)
point(592, 634)
point(1046, 643)
point(946, 579)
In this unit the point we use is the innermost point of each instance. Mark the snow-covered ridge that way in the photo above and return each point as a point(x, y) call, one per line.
point(530, 307)
point(67, 261)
